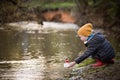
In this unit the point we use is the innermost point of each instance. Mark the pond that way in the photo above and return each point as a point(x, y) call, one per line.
point(39, 55)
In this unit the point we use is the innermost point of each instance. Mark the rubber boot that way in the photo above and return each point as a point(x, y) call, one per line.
point(98, 63)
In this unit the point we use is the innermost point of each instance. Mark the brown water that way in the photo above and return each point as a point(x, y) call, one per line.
point(40, 56)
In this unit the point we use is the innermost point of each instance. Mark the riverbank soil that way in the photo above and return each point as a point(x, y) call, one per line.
point(59, 16)
point(109, 72)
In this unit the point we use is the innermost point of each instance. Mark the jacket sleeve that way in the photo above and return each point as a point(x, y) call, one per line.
point(90, 50)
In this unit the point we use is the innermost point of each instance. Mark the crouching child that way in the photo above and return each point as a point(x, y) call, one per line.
point(97, 46)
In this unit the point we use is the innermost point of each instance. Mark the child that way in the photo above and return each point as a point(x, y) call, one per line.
point(97, 47)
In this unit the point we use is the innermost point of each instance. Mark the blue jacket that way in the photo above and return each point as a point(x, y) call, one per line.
point(99, 48)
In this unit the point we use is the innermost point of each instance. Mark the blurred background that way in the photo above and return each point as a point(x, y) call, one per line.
point(36, 36)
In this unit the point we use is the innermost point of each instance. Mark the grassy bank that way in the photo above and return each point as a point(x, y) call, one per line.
point(48, 4)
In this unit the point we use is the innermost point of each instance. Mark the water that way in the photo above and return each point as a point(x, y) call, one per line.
point(36, 55)
point(39, 55)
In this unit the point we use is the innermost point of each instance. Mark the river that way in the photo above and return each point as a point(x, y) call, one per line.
point(27, 54)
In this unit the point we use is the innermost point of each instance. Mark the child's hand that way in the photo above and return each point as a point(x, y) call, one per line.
point(71, 64)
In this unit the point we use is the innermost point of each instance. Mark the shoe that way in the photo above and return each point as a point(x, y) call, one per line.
point(98, 63)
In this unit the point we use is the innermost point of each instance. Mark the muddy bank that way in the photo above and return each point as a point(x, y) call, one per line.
point(108, 72)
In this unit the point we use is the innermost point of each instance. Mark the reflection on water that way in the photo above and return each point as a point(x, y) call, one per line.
point(23, 70)
point(39, 56)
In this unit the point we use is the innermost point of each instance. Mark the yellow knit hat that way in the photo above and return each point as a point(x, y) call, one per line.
point(85, 30)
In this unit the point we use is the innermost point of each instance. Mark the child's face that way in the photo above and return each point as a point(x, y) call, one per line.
point(83, 38)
